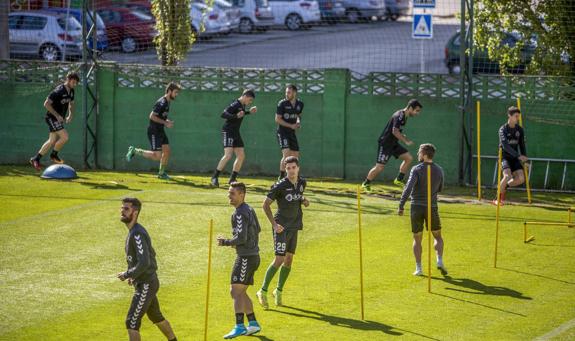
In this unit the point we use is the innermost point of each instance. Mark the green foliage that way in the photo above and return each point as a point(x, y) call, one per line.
point(173, 23)
point(546, 29)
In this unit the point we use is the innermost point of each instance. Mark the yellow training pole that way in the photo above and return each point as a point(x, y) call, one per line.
point(360, 250)
point(525, 168)
point(429, 228)
point(498, 205)
point(211, 233)
point(478, 151)
point(569, 211)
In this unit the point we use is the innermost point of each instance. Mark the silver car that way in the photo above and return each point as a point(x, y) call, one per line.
point(208, 22)
point(357, 10)
point(43, 34)
point(255, 15)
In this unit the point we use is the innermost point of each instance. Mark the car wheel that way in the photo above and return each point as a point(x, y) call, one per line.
point(353, 15)
point(194, 33)
point(454, 69)
point(129, 45)
point(246, 26)
point(393, 16)
point(50, 53)
point(294, 22)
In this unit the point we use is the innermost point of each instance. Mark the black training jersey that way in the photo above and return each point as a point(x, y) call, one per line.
point(245, 230)
point(289, 198)
point(140, 255)
point(416, 186)
point(397, 120)
point(289, 112)
point(233, 123)
point(512, 140)
point(61, 99)
point(161, 109)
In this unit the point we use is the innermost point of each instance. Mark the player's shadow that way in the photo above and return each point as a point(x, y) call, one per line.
point(349, 206)
point(106, 186)
point(475, 287)
point(347, 322)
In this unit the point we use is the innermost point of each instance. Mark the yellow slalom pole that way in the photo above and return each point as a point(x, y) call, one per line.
point(360, 251)
point(429, 228)
point(498, 205)
point(211, 233)
point(478, 151)
point(569, 211)
point(525, 168)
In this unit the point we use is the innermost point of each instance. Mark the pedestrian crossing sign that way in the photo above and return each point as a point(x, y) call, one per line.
point(422, 27)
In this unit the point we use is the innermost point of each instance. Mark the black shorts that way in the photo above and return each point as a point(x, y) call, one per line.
point(285, 242)
point(385, 152)
point(288, 140)
point(157, 139)
point(232, 140)
point(244, 269)
point(144, 301)
point(511, 163)
point(419, 216)
point(53, 124)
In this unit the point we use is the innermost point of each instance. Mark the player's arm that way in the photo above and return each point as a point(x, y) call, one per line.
point(267, 207)
point(70, 112)
point(142, 257)
point(48, 105)
point(240, 226)
point(228, 113)
point(407, 190)
point(281, 122)
point(505, 143)
point(442, 181)
point(522, 147)
point(156, 118)
point(395, 131)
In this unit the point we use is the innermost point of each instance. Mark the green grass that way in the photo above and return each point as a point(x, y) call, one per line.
point(61, 244)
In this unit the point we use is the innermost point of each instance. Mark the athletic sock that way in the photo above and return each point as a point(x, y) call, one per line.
point(162, 169)
point(38, 157)
point(400, 176)
point(239, 318)
point(138, 151)
point(251, 317)
point(417, 266)
point(440, 260)
point(367, 181)
point(270, 273)
point(284, 273)
point(234, 176)
point(216, 174)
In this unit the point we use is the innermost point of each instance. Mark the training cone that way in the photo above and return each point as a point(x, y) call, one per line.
point(59, 172)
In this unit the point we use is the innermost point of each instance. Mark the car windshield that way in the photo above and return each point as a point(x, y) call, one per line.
point(223, 4)
point(262, 3)
point(72, 24)
point(142, 16)
point(99, 22)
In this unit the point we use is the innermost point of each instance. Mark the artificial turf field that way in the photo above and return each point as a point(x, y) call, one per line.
point(62, 244)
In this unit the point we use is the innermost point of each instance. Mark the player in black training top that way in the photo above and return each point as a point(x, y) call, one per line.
point(60, 109)
point(231, 138)
point(159, 143)
point(288, 220)
point(245, 229)
point(141, 274)
point(512, 141)
point(288, 118)
point(389, 145)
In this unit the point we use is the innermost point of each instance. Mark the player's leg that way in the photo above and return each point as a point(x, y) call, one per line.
point(35, 161)
point(143, 296)
point(291, 246)
point(62, 139)
point(517, 178)
point(253, 325)
point(228, 153)
point(417, 249)
point(382, 158)
point(155, 315)
point(237, 292)
point(406, 160)
point(507, 177)
point(166, 152)
point(438, 243)
point(240, 157)
point(417, 216)
point(280, 253)
point(155, 152)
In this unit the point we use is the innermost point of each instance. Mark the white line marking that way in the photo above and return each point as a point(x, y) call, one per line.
point(557, 331)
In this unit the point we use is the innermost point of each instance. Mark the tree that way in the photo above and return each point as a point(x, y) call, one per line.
point(175, 37)
point(545, 26)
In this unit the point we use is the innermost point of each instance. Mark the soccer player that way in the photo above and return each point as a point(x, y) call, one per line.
point(159, 143)
point(288, 220)
point(389, 145)
point(417, 188)
point(59, 110)
point(233, 143)
point(512, 141)
point(245, 239)
point(288, 118)
point(141, 274)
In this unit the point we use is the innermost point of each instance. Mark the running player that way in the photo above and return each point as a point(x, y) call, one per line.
point(233, 143)
point(288, 220)
point(60, 110)
point(512, 141)
point(159, 144)
point(389, 145)
point(288, 116)
point(245, 229)
point(417, 188)
point(141, 274)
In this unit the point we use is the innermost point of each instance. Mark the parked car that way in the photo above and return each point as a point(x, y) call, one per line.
point(332, 11)
point(255, 15)
point(233, 13)
point(481, 61)
point(101, 39)
point(214, 19)
point(295, 14)
point(396, 8)
point(358, 10)
point(43, 34)
point(128, 30)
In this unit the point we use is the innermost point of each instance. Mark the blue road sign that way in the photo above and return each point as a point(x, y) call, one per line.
point(422, 27)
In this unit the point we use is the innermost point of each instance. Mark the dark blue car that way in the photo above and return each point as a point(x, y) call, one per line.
point(102, 39)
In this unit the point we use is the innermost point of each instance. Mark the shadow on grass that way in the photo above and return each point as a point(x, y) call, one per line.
point(261, 337)
point(536, 275)
point(478, 288)
point(347, 322)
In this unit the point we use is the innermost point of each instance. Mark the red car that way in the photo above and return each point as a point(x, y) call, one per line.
point(127, 29)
